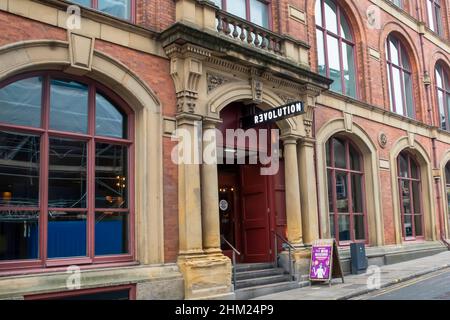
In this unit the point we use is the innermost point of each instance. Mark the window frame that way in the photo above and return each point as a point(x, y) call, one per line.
point(341, 40)
point(44, 132)
point(445, 91)
point(403, 70)
point(94, 6)
point(438, 25)
point(410, 179)
point(268, 3)
point(348, 172)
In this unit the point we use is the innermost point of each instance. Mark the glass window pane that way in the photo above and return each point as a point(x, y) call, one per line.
point(398, 93)
point(111, 233)
point(20, 102)
point(237, 7)
point(68, 106)
point(416, 196)
point(328, 153)
point(67, 174)
point(403, 166)
point(357, 193)
point(334, 63)
point(418, 225)
point(406, 193)
point(331, 16)
point(393, 47)
point(259, 13)
point(407, 80)
point(349, 69)
point(344, 227)
point(109, 121)
point(408, 225)
point(117, 8)
point(330, 190)
point(439, 80)
point(391, 101)
point(358, 221)
point(430, 15)
point(437, 11)
point(19, 235)
point(447, 173)
point(414, 169)
point(111, 178)
point(218, 3)
point(321, 53)
point(441, 104)
point(66, 234)
point(405, 59)
point(318, 12)
point(345, 28)
point(341, 192)
point(86, 3)
point(355, 161)
point(340, 160)
point(332, 230)
point(19, 169)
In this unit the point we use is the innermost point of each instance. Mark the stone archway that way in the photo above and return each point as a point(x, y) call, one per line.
point(372, 180)
point(413, 146)
point(54, 55)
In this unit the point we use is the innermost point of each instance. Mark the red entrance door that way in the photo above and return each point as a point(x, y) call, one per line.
point(256, 213)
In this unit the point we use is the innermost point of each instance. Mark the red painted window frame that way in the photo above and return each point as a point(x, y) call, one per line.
point(341, 40)
point(403, 70)
point(410, 158)
point(443, 72)
point(72, 293)
point(44, 132)
point(268, 3)
point(438, 25)
point(348, 172)
point(94, 5)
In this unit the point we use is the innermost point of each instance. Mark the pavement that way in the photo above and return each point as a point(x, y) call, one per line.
point(357, 285)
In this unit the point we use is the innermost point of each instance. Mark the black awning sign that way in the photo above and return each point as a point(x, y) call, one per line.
point(283, 112)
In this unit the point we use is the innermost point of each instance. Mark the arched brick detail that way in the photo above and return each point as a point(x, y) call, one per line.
point(356, 23)
point(397, 30)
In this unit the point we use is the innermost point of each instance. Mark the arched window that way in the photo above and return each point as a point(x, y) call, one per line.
point(434, 15)
point(410, 196)
point(66, 182)
point(399, 78)
point(447, 189)
point(345, 175)
point(443, 96)
point(335, 47)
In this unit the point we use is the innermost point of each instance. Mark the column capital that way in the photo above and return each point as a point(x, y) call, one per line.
point(290, 139)
point(307, 142)
point(211, 123)
point(187, 118)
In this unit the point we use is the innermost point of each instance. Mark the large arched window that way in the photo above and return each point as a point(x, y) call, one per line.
point(345, 175)
point(410, 196)
point(434, 15)
point(335, 47)
point(399, 78)
point(443, 96)
point(66, 182)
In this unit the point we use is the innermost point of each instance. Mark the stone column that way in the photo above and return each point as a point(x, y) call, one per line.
point(308, 191)
point(293, 208)
point(189, 193)
point(210, 192)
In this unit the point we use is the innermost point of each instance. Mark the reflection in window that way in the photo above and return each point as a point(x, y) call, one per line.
point(336, 56)
point(443, 96)
point(118, 8)
point(345, 180)
point(254, 11)
point(68, 106)
point(399, 77)
point(20, 102)
point(410, 196)
point(109, 121)
point(434, 15)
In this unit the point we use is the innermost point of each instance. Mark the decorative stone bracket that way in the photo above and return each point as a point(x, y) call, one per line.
point(186, 69)
point(310, 94)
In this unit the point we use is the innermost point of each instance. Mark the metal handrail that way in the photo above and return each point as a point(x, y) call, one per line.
point(290, 247)
point(235, 251)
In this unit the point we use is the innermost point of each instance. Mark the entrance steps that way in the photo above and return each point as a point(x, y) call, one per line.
point(258, 279)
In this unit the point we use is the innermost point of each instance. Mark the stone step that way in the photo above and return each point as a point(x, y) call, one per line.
point(262, 290)
point(246, 283)
point(242, 275)
point(253, 266)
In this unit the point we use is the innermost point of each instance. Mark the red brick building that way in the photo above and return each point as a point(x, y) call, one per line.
point(91, 95)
